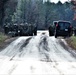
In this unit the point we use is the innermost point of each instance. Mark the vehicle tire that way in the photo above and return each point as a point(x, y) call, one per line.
point(49, 34)
point(35, 33)
point(13, 35)
point(31, 34)
point(56, 36)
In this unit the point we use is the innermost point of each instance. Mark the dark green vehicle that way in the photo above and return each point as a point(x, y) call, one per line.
point(27, 30)
point(62, 28)
point(20, 29)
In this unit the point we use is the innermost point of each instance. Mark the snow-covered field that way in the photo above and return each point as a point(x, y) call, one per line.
point(38, 55)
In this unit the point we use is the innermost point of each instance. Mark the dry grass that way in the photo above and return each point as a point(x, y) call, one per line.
point(72, 42)
point(5, 40)
point(2, 37)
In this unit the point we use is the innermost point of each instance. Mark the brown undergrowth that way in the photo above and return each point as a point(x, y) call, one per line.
point(72, 42)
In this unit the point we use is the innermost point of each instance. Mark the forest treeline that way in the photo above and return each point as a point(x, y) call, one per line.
point(36, 12)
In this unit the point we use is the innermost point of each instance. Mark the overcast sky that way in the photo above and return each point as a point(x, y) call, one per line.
point(58, 0)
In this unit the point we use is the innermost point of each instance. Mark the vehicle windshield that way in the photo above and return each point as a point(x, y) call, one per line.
point(64, 25)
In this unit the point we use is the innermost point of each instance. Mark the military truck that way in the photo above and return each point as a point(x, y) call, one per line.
point(27, 30)
point(11, 30)
point(21, 29)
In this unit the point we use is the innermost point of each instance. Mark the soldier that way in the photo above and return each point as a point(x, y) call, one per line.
point(6, 28)
point(35, 29)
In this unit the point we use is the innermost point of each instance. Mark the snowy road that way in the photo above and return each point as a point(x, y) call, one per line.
point(38, 55)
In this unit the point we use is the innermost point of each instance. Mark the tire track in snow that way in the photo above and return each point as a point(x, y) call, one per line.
point(67, 48)
point(25, 43)
point(12, 69)
point(57, 52)
point(43, 48)
point(31, 48)
point(15, 47)
point(60, 72)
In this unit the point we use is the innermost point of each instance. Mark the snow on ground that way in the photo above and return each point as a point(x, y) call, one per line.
point(58, 52)
point(37, 55)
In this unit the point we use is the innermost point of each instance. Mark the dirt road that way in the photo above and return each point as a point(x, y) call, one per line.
point(38, 55)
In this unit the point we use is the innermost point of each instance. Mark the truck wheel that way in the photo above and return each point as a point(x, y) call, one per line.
point(31, 34)
point(49, 34)
point(56, 36)
point(35, 33)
